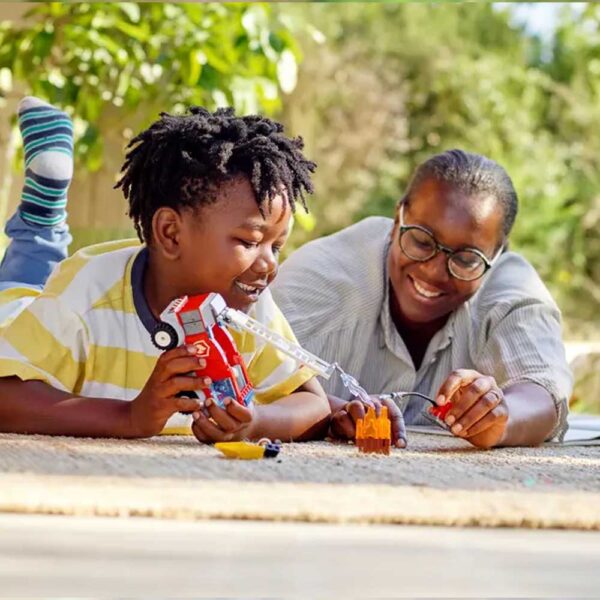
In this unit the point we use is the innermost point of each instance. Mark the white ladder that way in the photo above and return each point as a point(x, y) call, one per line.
point(242, 321)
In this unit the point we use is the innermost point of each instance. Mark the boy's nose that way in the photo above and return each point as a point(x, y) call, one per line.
point(266, 263)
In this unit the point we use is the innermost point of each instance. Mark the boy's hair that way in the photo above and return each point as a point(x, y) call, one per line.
point(181, 160)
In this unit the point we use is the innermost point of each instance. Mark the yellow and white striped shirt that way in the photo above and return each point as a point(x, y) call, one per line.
point(87, 333)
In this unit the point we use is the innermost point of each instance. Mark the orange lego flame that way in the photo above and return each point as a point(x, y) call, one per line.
point(373, 433)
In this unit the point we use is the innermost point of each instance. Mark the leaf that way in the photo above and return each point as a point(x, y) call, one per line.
point(287, 71)
point(306, 220)
point(5, 80)
point(132, 10)
point(216, 62)
point(197, 58)
point(138, 33)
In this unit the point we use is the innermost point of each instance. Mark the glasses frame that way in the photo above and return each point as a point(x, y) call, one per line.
point(447, 251)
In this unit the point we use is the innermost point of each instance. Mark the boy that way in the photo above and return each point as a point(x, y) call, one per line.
point(211, 196)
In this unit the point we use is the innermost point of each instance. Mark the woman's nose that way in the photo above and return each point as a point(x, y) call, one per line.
point(436, 268)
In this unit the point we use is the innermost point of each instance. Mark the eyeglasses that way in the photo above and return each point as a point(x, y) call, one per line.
point(419, 244)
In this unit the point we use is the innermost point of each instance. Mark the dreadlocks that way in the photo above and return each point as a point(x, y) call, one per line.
point(181, 160)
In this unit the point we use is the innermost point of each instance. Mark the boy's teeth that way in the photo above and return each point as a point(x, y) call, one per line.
point(246, 288)
point(425, 292)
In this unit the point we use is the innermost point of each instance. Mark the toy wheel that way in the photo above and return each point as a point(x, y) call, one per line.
point(164, 337)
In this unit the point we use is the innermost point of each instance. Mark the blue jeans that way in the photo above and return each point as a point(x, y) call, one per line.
point(32, 254)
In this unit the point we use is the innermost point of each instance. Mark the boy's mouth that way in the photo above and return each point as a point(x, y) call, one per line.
point(252, 292)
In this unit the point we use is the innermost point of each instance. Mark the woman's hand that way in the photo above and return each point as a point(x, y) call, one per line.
point(479, 411)
point(345, 414)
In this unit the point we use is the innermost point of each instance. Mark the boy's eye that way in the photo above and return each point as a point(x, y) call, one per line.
point(248, 244)
point(276, 249)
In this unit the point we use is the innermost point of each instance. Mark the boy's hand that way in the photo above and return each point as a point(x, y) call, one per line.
point(345, 415)
point(151, 409)
point(479, 412)
point(214, 424)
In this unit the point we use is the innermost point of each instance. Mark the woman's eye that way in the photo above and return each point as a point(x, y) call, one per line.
point(423, 243)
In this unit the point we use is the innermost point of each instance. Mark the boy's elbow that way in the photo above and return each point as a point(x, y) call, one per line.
point(320, 411)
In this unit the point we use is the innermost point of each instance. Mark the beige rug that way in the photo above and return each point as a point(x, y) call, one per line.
point(437, 481)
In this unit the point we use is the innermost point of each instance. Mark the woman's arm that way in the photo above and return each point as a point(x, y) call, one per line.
point(531, 415)
point(523, 414)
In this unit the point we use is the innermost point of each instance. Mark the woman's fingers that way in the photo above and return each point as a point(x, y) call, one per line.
point(454, 381)
point(342, 425)
point(484, 405)
point(399, 437)
point(467, 396)
point(497, 416)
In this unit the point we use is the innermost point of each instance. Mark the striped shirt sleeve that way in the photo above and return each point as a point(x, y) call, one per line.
point(520, 338)
point(47, 341)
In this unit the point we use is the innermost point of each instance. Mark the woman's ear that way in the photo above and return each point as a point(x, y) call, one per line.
point(166, 232)
point(402, 202)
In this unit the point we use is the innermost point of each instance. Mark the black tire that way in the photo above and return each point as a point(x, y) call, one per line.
point(164, 337)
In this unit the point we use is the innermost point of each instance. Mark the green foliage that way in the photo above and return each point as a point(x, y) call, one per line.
point(381, 87)
point(114, 66)
point(397, 83)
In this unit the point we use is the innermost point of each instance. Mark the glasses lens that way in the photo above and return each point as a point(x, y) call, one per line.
point(466, 265)
point(417, 244)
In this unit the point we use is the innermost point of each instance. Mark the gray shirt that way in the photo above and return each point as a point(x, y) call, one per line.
point(334, 292)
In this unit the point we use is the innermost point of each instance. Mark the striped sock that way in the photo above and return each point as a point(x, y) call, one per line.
point(48, 140)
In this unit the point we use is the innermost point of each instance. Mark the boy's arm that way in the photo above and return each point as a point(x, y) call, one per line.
point(303, 415)
point(36, 407)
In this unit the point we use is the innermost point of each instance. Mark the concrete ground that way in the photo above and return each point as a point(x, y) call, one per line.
point(73, 556)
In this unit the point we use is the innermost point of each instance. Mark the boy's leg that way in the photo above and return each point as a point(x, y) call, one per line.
point(39, 234)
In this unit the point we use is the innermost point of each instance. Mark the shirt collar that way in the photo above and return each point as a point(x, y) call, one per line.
point(140, 264)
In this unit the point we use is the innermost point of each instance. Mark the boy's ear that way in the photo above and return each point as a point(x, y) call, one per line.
point(166, 232)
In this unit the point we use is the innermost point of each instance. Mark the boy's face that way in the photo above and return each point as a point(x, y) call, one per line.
point(229, 248)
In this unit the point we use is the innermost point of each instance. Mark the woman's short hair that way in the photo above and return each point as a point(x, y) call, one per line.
point(473, 174)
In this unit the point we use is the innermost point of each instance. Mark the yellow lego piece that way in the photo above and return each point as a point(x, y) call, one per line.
point(243, 450)
point(373, 433)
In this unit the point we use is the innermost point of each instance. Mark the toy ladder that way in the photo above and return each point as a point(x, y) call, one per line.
point(242, 321)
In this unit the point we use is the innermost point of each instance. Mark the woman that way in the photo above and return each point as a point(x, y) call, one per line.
point(432, 302)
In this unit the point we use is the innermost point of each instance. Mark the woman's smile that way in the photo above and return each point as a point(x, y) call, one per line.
point(425, 290)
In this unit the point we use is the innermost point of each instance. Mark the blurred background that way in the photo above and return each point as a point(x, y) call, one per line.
point(373, 88)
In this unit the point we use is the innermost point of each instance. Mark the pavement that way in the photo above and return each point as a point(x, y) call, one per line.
point(59, 556)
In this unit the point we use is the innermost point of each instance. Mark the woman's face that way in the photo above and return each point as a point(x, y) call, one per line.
point(424, 292)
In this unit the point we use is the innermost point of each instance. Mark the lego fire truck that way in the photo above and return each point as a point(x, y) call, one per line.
point(195, 320)
point(203, 320)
